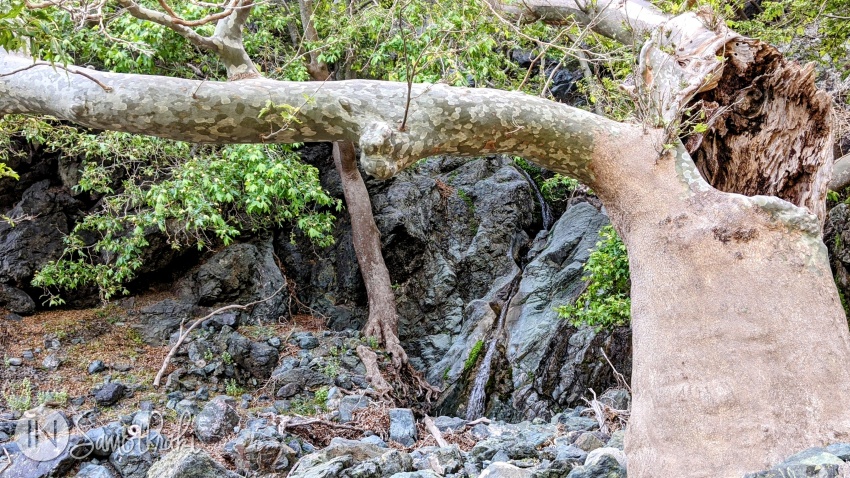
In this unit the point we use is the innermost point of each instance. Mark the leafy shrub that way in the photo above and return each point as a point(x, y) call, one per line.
point(605, 303)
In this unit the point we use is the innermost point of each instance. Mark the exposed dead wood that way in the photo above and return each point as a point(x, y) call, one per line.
point(772, 133)
point(373, 371)
point(435, 432)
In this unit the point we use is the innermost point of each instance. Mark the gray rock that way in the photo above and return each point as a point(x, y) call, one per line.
point(416, 474)
point(812, 456)
point(305, 340)
point(110, 393)
point(616, 398)
point(13, 317)
point(51, 362)
point(841, 450)
point(596, 456)
point(132, 459)
point(24, 467)
point(186, 462)
point(16, 300)
point(240, 273)
point(453, 424)
point(158, 321)
point(578, 423)
point(605, 467)
point(288, 390)
point(505, 470)
point(96, 366)
point(217, 419)
point(89, 470)
point(349, 404)
point(102, 441)
point(374, 440)
point(570, 454)
point(304, 378)
point(15, 361)
point(403, 426)
point(811, 463)
point(588, 441)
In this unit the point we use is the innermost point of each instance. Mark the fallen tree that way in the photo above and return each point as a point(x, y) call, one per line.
point(739, 334)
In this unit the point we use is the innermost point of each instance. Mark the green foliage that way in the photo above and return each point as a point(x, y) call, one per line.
point(474, 353)
point(558, 187)
point(57, 397)
point(605, 303)
point(18, 395)
point(198, 196)
point(321, 396)
point(232, 388)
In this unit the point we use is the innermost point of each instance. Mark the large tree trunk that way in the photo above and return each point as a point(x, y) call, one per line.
point(383, 318)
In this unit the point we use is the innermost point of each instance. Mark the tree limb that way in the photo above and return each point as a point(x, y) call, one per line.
point(443, 119)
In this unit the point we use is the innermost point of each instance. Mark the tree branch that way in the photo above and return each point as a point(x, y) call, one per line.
point(443, 119)
point(168, 21)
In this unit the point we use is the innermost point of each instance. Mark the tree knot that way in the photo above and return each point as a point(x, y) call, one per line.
point(377, 150)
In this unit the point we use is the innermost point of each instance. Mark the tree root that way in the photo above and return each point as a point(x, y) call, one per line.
point(384, 329)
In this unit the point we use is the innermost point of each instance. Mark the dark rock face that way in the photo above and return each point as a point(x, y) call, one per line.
point(22, 466)
point(239, 274)
point(158, 321)
point(403, 426)
point(16, 300)
point(42, 217)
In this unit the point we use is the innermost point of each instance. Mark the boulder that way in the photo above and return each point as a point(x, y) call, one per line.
point(158, 321)
point(505, 470)
point(110, 393)
point(403, 426)
point(217, 419)
point(16, 300)
point(186, 462)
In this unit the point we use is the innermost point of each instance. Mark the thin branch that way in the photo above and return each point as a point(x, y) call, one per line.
point(76, 72)
point(185, 334)
point(435, 432)
point(143, 13)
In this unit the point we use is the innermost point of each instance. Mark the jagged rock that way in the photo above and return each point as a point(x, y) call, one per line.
point(449, 424)
point(104, 440)
point(596, 456)
point(45, 215)
point(588, 441)
point(841, 450)
point(132, 459)
point(302, 377)
point(110, 393)
point(403, 426)
point(259, 448)
point(16, 300)
point(258, 358)
point(442, 461)
point(505, 470)
point(96, 366)
point(186, 462)
point(353, 458)
point(51, 362)
point(606, 467)
point(217, 419)
point(89, 470)
point(305, 340)
point(617, 440)
point(239, 274)
point(616, 398)
point(811, 463)
point(158, 321)
point(24, 467)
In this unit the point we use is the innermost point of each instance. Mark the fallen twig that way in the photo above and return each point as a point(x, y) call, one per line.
point(435, 432)
point(185, 334)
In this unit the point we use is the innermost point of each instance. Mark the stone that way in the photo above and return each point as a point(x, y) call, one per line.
point(374, 440)
point(812, 456)
point(449, 424)
point(16, 300)
point(616, 398)
point(89, 470)
point(596, 456)
point(288, 390)
point(305, 340)
point(841, 450)
point(617, 440)
point(416, 474)
point(349, 404)
point(104, 440)
point(110, 393)
point(605, 467)
point(186, 462)
point(505, 470)
point(96, 366)
point(588, 441)
point(403, 426)
point(572, 423)
point(13, 317)
point(132, 459)
point(22, 466)
point(158, 321)
point(51, 362)
point(570, 454)
point(217, 419)
point(15, 361)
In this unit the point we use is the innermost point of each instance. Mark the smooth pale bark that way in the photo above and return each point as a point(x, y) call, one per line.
point(740, 343)
point(383, 317)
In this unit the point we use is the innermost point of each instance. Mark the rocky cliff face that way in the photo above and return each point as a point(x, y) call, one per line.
point(463, 241)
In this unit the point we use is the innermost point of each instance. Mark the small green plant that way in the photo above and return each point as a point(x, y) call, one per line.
point(331, 367)
point(321, 396)
point(470, 204)
point(832, 196)
point(57, 397)
point(232, 388)
point(372, 342)
point(208, 356)
point(474, 352)
point(606, 302)
point(226, 358)
point(135, 337)
point(18, 395)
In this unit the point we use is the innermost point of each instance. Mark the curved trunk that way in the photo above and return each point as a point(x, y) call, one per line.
point(741, 346)
point(383, 318)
